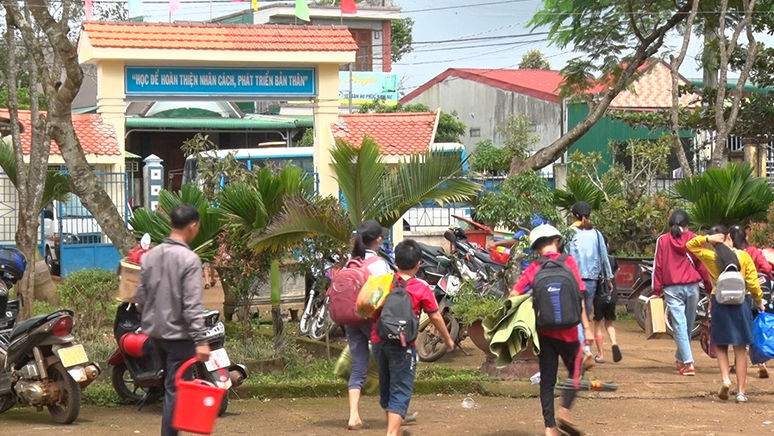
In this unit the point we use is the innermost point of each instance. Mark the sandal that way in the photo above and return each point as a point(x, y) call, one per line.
point(723, 392)
point(617, 356)
point(411, 417)
point(598, 360)
point(566, 427)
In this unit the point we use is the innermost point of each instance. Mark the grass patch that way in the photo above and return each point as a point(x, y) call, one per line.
point(101, 393)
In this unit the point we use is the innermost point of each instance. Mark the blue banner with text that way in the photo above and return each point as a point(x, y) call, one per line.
point(216, 82)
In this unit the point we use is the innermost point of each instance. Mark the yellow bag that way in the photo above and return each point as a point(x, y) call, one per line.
point(343, 369)
point(371, 297)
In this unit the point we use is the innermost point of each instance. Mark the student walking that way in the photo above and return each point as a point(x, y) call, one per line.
point(676, 276)
point(169, 299)
point(556, 341)
point(588, 249)
point(739, 238)
point(394, 348)
point(368, 239)
point(604, 315)
point(731, 324)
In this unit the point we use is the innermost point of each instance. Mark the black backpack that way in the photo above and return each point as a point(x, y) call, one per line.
point(397, 322)
point(556, 295)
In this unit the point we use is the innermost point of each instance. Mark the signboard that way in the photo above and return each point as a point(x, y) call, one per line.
point(220, 82)
point(367, 87)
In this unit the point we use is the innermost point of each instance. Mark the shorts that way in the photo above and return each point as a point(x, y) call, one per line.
point(604, 311)
point(397, 369)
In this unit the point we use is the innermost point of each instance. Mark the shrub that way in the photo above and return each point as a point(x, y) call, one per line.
point(90, 294)
point(519, 199)
point(761, 233)
point(489, 159)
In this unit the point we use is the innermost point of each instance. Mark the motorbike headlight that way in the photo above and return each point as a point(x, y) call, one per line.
point(69, 238)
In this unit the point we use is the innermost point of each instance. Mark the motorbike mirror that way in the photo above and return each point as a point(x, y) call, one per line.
point(449, 236)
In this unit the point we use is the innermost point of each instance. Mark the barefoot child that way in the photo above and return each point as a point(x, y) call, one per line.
point(558, 332)
point(396, 356)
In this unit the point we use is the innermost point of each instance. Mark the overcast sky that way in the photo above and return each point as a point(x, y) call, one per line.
point(447, 20)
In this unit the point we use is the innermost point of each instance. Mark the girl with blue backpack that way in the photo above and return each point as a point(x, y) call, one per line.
point(734, 275)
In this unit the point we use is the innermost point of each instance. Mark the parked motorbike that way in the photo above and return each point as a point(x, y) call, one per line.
point(42, 364)
point(138, 370)
point(465, 265)
point(315, 321)
point(643, 290)
point(430, 270)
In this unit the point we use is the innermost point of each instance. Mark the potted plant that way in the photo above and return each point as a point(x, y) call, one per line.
point(470, 307)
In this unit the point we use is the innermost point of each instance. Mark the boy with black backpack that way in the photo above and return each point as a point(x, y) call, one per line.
point(556, 287)
point(394, 333)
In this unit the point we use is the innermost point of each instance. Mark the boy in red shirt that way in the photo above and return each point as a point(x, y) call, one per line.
point(546, 239)
point(397, 364)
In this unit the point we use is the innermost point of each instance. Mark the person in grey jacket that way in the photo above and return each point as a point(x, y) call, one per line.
point(169, 299)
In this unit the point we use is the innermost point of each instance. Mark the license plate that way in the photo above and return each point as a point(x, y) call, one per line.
point(72, 356)
point(218, 359)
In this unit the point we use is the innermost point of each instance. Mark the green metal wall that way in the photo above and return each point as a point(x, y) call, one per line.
point(605, 130)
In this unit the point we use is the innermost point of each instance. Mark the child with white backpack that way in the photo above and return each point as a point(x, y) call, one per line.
point(734, 275)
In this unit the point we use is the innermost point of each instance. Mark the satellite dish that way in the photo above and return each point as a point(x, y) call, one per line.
point(145, 241)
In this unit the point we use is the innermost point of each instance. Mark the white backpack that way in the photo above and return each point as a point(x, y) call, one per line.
point(731, 287)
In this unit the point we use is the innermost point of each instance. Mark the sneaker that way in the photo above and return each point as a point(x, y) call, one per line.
point(723, 392)
point(763, 372)
point(688, 370)
point(741, 398)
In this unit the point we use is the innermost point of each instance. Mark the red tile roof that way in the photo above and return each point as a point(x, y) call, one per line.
point(219, 37)
point(96, 136)
point(542, 84)
point(399, 133)
point(652, 90)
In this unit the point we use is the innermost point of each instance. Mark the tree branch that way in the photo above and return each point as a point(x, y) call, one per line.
point(633, 22)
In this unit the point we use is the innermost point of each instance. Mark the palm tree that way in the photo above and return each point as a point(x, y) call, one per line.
point(371, 190)
point(730, 195)
point(56, 187)
point(157, 223)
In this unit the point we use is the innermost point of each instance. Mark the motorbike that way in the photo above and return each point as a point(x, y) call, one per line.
point(42, 363)
point(487, 280)
point(430, 269)
point(138, 371)
point(315, 321)
point(642, 291)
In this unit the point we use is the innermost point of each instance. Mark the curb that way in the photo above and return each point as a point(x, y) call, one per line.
point(513, 389)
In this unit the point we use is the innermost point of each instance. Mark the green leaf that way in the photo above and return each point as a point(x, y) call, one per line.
point(359, 172)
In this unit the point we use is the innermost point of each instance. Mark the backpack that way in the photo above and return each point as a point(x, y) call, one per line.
point(345, 286)
point(556, 295)
point(731, 287)
point(398, 323)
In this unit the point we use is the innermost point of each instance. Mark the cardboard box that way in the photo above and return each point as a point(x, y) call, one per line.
point(129, 280)
point(655, 324)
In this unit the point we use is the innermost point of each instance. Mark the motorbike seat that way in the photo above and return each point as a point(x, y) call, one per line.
point(485, 257)
point(27, 325)
point(432, 249)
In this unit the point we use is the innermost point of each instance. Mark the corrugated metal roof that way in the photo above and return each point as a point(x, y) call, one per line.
point(257, 122)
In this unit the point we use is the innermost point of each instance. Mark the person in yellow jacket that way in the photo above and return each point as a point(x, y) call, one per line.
point(731, 324)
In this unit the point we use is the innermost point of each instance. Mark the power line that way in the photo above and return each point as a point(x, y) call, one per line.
point(442, 8)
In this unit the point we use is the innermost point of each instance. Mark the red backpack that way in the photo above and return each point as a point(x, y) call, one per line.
point(345, 285)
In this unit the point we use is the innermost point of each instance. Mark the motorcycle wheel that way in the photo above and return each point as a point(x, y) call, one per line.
point(223, 405)
point(320, 323)
point(304, 323)
point(6, 402)
point(69, 405)
point(640, 306)
point(430, 346)
point(123, 383)
point(701, 314)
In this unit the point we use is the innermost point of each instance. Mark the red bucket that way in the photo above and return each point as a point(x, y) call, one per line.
point(198, 402)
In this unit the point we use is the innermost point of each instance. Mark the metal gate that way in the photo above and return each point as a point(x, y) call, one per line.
point(82, 243)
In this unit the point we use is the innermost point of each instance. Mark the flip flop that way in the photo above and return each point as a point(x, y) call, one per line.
point(569, 429)
point(411, 417)
point(617, 356)
point(598, 360)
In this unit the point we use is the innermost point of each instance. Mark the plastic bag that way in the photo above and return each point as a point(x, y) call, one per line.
point(343, 369)
point(371, 297)
point(763, 333)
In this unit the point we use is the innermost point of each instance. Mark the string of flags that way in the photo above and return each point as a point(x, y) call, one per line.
point(348, 7)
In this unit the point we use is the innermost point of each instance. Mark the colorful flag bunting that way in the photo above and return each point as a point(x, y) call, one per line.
point(302, 10)
point(255, 5)
point(135, 8)
point(348, 7)
point(174, 5)
point(88, 10)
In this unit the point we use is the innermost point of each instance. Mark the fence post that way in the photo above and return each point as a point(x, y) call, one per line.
point(153, 181)
point(560, 176)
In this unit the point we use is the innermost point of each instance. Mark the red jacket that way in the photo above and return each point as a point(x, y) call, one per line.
point(761, 264)
point(675, 265)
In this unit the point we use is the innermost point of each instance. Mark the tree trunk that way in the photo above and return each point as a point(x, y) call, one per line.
point(646, 48)
point(276, 314)
point(674, 66)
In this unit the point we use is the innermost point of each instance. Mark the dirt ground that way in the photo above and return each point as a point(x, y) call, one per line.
point(652, 400)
